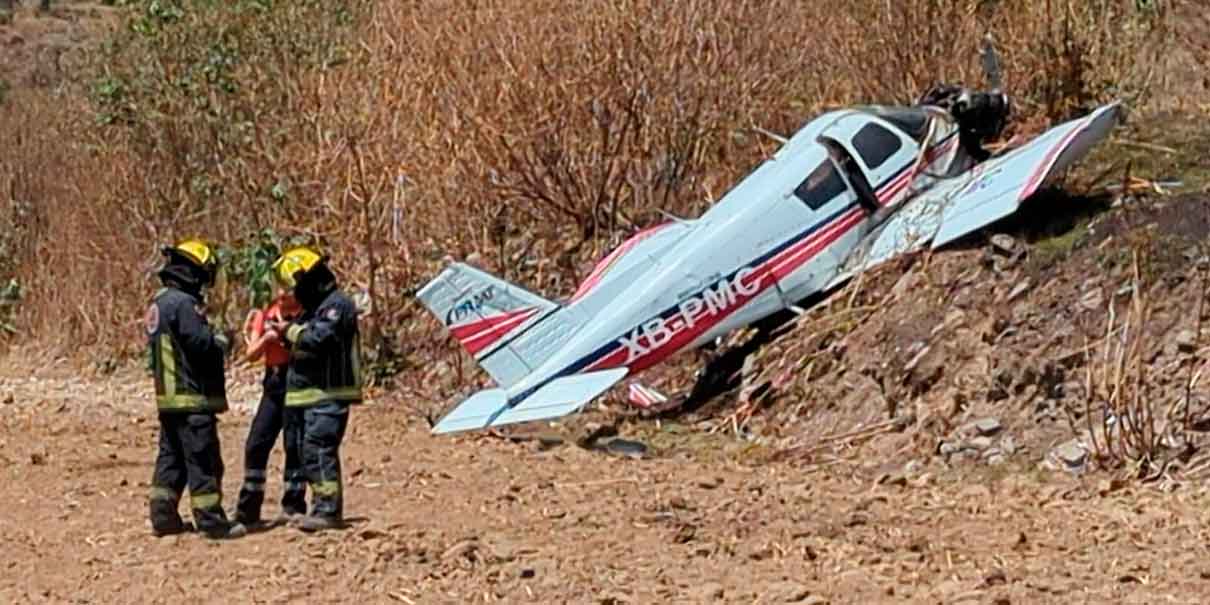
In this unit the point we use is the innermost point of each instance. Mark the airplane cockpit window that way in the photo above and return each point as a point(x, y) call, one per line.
point(875, 144)
point(821, 186)
point(913, 121)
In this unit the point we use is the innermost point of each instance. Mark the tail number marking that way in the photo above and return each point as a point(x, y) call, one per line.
point(711, 302)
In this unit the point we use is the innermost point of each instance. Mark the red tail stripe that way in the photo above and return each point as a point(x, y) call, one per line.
point(481, 334)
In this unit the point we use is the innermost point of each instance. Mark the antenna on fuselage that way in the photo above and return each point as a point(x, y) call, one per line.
point(671, 216)
point(771, 135)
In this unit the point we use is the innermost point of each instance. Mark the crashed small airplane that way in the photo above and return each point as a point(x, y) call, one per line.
point(851, 189)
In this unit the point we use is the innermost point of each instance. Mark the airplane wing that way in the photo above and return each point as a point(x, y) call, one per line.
point(989, 192)
point(1000, 186)
point(643, 246)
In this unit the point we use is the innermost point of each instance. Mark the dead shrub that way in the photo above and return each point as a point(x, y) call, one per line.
point(536, 134)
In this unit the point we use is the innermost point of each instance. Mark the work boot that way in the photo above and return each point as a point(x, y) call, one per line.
point(165, 520)
point(169, 527)
point(313, 523)
point(247, 519)
point(291, 516)
point(226, 532)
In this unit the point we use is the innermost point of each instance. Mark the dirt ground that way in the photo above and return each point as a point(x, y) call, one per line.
point(476, 519)
point(483, 519)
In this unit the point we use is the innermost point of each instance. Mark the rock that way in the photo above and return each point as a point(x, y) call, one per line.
point(981, 443)
point(909, 282)
point(786, 592)
point(710, 482)
point(1008, 445)
point(1092, 300)
point(1186, 341)
point(996, 459)
point(1018, 290)
point(685, 534)
point(896, 478)
point(815, 600)
point(949, 449)
point(988, 426)
point(996, 577)
point(371, 533)
point(590, 432)
point(37, 459)
point(857, 520)
point(626, 447)
point(1004, 244)
point(464, 549)
point(1071, 454)
point(8, 399)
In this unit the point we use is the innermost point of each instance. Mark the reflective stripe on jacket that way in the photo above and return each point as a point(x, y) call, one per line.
point(186, 355)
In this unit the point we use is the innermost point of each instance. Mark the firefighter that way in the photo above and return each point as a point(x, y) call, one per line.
point(324, 378)
point(271, 417)
point(187, 358)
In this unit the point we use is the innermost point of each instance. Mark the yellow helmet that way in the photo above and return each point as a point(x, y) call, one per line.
point(197, 251)
point(293, 263)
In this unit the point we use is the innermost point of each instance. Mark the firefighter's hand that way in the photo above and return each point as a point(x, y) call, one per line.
point(277, 326)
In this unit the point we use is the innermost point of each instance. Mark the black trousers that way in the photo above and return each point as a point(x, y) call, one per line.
point(324, 429)
point(273, 418)
point(189, 457)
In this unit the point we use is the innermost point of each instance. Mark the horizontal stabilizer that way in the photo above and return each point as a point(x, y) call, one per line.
point(561, 396)
point(473, 413)
point(556, 398)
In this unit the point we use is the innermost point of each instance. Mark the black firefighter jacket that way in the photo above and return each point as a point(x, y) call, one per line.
point(186, 355)
point(325, 363)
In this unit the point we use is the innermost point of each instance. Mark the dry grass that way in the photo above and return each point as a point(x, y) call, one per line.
point(1129, 419)
point(536, 134)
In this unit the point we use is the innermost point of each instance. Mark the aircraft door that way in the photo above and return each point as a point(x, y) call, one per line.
point(883, 154)
point(809, 260)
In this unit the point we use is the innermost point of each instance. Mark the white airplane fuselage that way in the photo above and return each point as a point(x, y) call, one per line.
point(759, 250)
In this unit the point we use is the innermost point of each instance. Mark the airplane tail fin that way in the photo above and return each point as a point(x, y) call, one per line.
point(505, 327)
point(559, 397)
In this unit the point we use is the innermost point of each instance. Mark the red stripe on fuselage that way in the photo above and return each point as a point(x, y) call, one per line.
point(764, 276)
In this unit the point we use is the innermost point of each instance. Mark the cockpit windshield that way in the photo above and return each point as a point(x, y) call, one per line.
point(913, 121)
